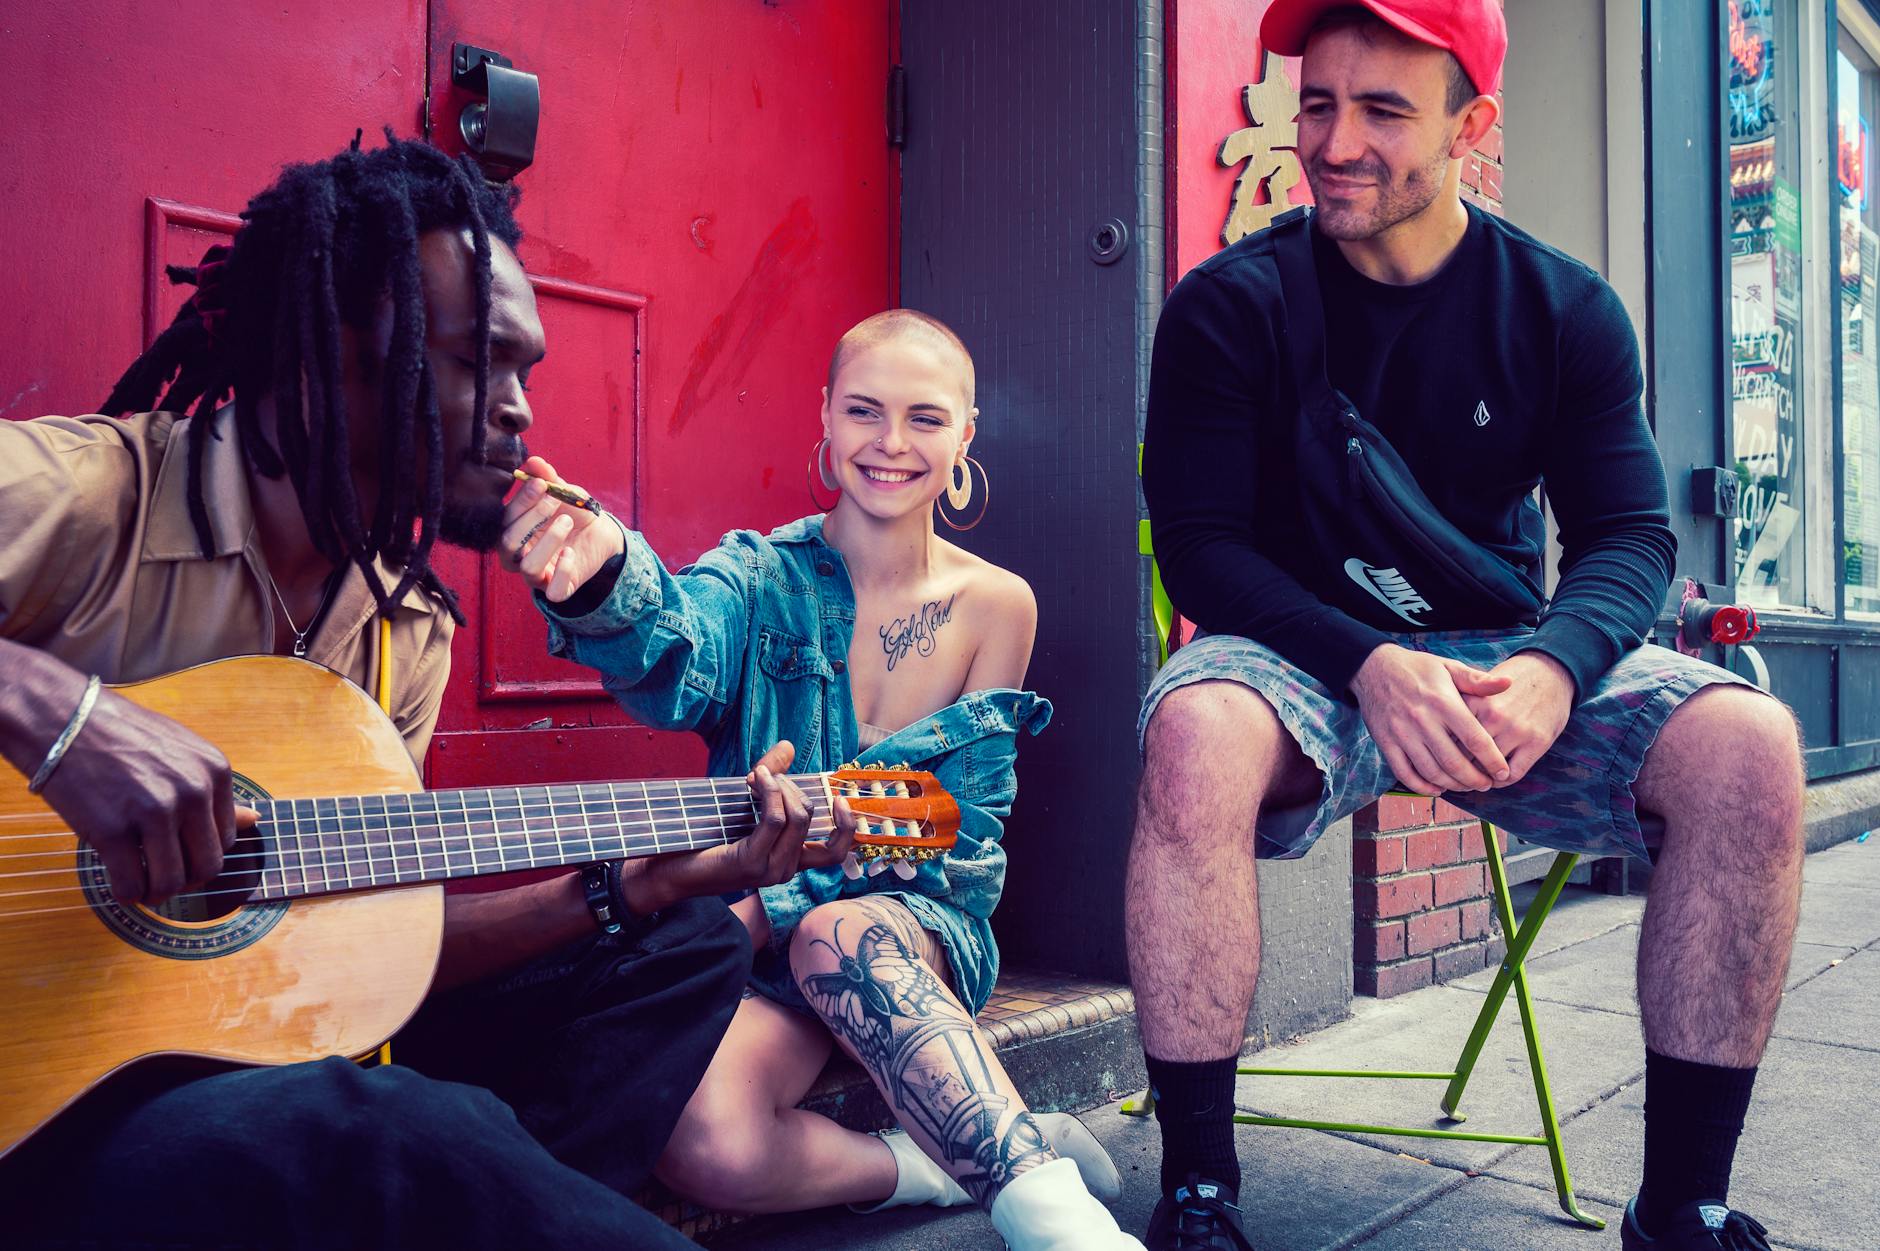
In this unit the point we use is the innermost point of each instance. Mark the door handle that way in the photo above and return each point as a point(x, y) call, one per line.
point(500, 128)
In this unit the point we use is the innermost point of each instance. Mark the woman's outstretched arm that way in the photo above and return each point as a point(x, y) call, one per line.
point(669, 647)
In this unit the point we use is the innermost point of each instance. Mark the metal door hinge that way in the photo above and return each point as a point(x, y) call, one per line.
point(897, 106)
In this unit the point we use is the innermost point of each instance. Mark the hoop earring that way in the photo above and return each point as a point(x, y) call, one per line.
point(960, 494)
point(814, 470)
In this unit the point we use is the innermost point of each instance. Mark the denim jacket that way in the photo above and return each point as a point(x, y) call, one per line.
point(749, 644)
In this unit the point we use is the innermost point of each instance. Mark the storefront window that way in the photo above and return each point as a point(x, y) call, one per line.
point(1766, 205)
point(1856, 87)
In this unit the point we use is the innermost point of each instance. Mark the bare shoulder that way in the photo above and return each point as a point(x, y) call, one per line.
point(1004, 620)
point(997, 592)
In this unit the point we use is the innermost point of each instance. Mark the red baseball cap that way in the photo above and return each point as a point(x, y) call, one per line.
point(1473, 31)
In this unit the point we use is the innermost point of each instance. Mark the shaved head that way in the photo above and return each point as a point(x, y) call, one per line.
point(904, 323)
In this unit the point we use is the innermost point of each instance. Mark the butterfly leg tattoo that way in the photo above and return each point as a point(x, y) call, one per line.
point(864, 975)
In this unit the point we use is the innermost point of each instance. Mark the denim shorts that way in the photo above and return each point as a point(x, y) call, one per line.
point(1578, 797)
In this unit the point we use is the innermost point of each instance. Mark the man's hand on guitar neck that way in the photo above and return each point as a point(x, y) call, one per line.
point(486, 935)
point(774, 852)
point(152, 798)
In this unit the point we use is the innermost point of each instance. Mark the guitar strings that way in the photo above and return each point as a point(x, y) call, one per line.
point(470, 843)
point(294, 858)
point(714, 804)
point(303, 866)
point(563, 833)
point(274, 812)
point(465, 840)
point(96, 872)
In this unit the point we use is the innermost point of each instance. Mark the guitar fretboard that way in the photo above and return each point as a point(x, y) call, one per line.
point(321, 846)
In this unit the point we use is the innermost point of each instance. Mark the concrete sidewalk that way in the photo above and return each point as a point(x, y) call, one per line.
point(1807, 1165)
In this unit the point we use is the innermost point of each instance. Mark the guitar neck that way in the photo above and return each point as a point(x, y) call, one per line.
point(323, 846)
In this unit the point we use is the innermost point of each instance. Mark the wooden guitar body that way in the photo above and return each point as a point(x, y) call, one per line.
point(88, 986)
point(322, 934)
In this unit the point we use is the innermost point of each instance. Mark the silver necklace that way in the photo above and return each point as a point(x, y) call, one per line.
point(300, 635)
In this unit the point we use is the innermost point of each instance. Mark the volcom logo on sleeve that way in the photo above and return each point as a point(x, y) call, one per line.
point(1481, 413)
point(1389, 588)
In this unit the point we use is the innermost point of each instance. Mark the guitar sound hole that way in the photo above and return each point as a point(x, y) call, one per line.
point(239, 879)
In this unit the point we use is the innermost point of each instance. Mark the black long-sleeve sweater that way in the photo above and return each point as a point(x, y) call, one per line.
point(1513, 365)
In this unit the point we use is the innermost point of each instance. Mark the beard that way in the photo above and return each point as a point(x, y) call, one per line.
point(477, 526)
point(476, 522)
point(1393, 201)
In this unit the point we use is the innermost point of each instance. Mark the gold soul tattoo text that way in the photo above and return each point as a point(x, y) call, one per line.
point(915, 632)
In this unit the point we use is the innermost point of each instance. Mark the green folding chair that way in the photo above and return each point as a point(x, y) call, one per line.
point(1513, 973)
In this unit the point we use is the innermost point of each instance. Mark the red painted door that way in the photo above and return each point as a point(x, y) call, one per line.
point(713, 201)
point(132, 137)
point(712, 204)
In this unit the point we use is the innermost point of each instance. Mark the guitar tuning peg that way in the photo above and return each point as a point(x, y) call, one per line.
point(904, 869)
point(877, 867)
point(851, 867)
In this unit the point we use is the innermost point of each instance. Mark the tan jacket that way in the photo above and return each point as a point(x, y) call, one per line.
point(100, 565)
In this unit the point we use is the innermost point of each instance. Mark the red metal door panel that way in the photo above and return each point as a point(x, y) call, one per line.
point(110, 105)
point(712, 203)
point(513, 669)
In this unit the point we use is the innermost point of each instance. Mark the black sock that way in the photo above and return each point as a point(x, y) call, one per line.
point(1693, 1116)
point(1194, 1104)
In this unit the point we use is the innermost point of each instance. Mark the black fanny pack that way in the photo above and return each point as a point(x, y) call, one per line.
point(1389, 557)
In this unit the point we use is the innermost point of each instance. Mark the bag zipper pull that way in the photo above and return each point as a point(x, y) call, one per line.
point(1353, 450)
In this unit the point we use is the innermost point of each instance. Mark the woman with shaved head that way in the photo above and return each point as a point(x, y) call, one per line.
point(860, 633)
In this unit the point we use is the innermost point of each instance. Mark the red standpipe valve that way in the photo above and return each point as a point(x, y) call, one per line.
point(1702, 622)
point(1733, 623)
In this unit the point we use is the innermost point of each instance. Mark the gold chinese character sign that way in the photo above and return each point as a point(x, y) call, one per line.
point(1268, 147)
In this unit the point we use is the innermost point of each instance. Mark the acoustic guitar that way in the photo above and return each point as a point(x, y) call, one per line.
point(321, 935)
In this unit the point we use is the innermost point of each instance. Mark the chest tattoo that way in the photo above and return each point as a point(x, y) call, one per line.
point(915, 632)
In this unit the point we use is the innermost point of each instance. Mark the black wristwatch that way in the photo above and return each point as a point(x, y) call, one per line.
point(601, 884)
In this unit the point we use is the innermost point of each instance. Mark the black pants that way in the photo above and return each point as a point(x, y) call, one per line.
point(516, 1114)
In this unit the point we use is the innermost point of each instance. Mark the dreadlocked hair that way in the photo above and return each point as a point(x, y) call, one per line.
point(319, 248)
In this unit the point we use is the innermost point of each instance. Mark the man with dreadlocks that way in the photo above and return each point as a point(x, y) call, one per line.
point(345, 386)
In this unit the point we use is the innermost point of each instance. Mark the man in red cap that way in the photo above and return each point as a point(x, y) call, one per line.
point(1348, 417)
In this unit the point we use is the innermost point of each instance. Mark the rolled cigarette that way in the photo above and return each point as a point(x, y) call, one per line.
point(567, 495)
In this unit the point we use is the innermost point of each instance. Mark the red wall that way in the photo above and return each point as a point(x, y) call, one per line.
point(713, 202)
point(1214, 54)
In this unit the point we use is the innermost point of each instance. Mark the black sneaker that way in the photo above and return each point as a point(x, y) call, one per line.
point(1697, 1227)
point(1199, 1216)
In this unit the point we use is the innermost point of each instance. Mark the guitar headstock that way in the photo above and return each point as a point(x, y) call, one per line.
point(902, 816)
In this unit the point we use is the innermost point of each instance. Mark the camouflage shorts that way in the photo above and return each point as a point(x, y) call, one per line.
point(1578, 797)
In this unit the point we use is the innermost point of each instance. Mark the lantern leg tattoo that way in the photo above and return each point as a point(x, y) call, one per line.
point(886, 1008)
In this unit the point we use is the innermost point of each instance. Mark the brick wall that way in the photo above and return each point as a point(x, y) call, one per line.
point(1420, 894)
point(1481, 173)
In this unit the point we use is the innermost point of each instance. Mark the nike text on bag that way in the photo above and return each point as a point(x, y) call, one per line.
point(1401, 559)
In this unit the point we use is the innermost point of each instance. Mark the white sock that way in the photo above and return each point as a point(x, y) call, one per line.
point(1070, 1138)
point(917, 1179)
point(1048, 1209)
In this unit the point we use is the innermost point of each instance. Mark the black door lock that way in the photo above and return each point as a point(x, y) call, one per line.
point(500, 129)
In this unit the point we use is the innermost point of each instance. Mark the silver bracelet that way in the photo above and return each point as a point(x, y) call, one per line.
point(63, 743)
